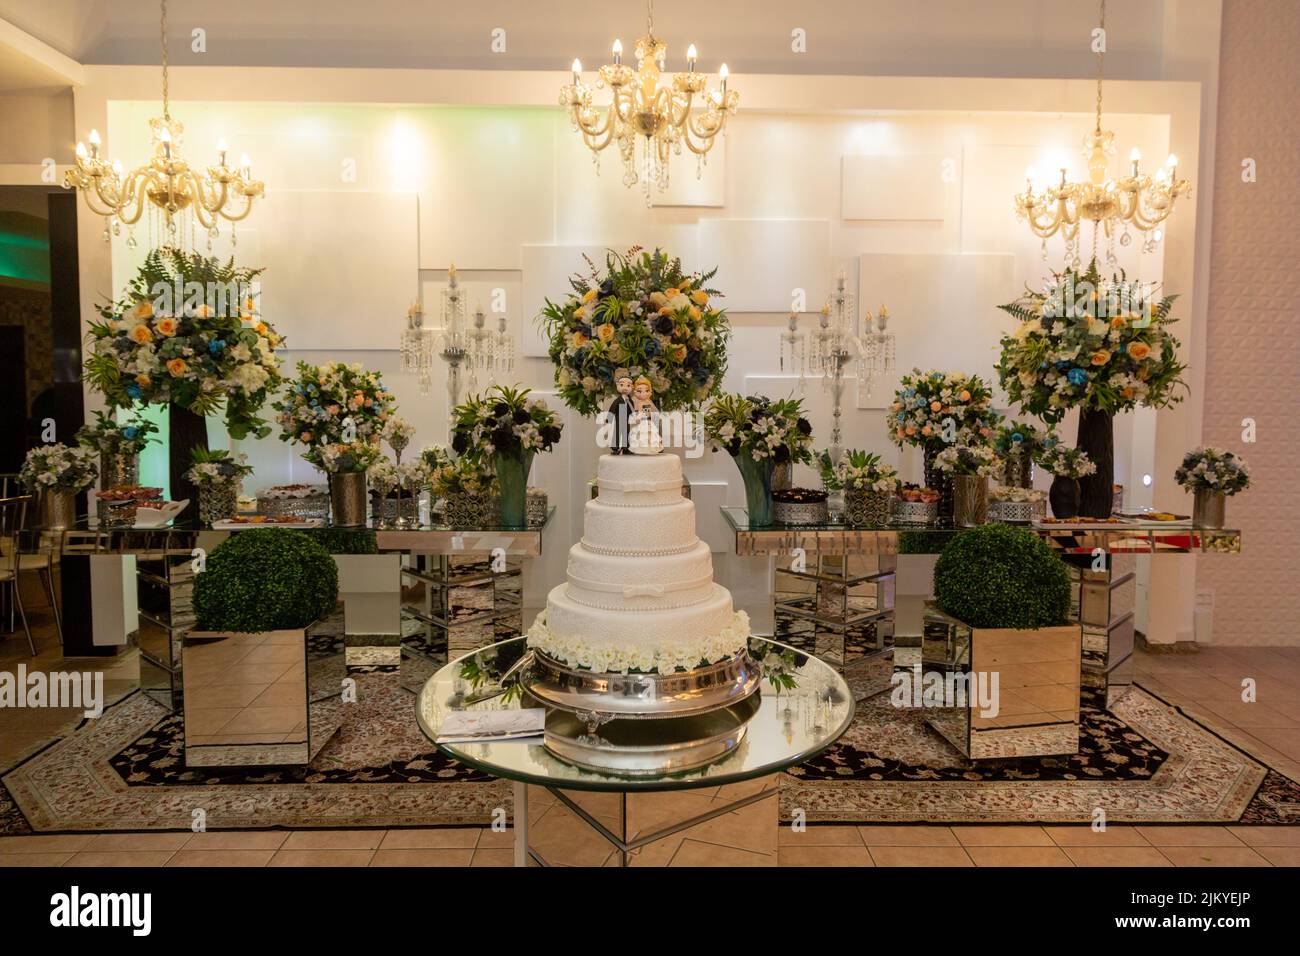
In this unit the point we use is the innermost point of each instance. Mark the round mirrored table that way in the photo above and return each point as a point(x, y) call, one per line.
point(566, 814)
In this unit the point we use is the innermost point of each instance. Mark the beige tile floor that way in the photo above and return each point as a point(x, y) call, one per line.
point(1208, 684)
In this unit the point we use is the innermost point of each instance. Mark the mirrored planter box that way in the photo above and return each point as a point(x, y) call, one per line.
point(1023, 698)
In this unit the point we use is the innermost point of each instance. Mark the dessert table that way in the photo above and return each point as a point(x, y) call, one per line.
point(835, 596)
point(472, 585)
point(568, 815)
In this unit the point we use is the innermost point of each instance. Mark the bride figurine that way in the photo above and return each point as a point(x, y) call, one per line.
point(643, 436)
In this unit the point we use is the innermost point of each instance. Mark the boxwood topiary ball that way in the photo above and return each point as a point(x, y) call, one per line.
point(265, 579)
point(1000, 576)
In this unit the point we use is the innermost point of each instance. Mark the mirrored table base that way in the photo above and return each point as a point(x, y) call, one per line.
point(737, 823)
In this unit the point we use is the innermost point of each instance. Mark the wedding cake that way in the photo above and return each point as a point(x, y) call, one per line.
point(640, 594)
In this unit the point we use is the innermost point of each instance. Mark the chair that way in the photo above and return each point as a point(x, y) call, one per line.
point(13, 514)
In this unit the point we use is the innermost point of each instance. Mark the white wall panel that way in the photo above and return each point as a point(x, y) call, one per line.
point(902, 188)
point(761, 262)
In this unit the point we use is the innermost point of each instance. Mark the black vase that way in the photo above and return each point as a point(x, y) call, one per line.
point(186, 431)
point(940, 481)
point(1097, 438)
point(1065, 496)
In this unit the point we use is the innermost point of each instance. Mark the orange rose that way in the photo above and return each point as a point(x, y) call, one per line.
point(1100, 357)
point(924, 431)
point(142, 380)
point(177, 367)
point(1139, 350)
point(911, 429)
point(166, 327)
point(965, 395)
point(935, 406)
point(141, 334)
point(1126, 392)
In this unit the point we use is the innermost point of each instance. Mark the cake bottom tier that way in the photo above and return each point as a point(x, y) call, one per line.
point(643, 640)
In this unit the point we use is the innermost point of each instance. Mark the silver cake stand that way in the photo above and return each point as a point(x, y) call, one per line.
point(641, 723)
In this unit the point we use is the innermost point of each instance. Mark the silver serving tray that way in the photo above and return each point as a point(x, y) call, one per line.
point(640, 748)
point(915, 512)
point(599, 697)
point(800, 512)
point(1017, 512)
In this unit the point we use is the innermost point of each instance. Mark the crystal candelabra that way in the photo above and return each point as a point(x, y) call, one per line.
point(876, 348)
point(489, 351)
point(792, 348)
point(419, 347)
point(657, 118)
point(453, 341)
point(167, 184)
point(1111, 205)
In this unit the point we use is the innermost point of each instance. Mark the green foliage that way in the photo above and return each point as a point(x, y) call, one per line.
point(924, 542)
point(265, 579)
point(346, 540)
point(1000, 576)
point(1090, 341)
point(643, 315)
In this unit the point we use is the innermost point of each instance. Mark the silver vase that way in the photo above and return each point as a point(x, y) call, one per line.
point(118, 470)
point(970, 500)
point(57, 510)
point(348, 499)
point(218, 502)
point(1208, 508)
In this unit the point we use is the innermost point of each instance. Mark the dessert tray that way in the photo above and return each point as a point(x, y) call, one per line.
point(266, 521)
point(1081, 524)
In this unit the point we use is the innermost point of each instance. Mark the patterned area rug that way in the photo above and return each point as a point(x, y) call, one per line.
point(1144, 763)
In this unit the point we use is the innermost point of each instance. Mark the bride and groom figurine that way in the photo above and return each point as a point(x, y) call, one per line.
point(635, 418)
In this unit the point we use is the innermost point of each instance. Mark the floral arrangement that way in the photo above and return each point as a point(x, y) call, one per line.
point(759, 428)
point(58, 467)
point(1090, 342)
point(1017, 439)
point(108, 437)
point(159, 344)
point(462, 476)
point(862, 471)
point(338, 412)
point(934, 407)
point(1213, 469)
point(643, 315)
point(980, 460)
point(213, 469)
point(386, 476)
point(1066, 462)
point(398, 432)
point(503, 420)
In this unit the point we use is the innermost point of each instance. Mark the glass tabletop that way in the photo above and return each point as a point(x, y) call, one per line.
point(791, 724)
point(1126, 535)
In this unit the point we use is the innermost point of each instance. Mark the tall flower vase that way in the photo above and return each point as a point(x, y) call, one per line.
point(1097, 438)
point(757, 476)
point(512, 478)
point(940, 481)
point(970, 498)
point(1208, 508)
point(218, 502)
point(1064, 496)
point(118, 470)
point(348, 499)
point(186, 431)
point(56, 510)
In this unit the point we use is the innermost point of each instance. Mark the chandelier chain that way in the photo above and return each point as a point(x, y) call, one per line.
point(167, 114)
point(1101, 62)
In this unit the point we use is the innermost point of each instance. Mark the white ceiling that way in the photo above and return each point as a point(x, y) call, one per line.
point(870, 37)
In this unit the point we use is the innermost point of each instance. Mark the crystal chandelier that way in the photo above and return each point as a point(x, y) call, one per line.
point(167, 181)
point(489, 351)
point(418, 347)
point(1136, 200)
point(649, 121)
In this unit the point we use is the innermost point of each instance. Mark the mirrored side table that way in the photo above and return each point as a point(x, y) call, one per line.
point(567, 815)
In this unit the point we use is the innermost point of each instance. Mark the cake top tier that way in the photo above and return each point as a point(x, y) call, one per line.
point(663, 472)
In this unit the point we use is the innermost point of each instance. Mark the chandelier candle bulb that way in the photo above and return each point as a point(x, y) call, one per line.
point(577, 72)
point(222, 149)
point(691, 56)
point(618, 52)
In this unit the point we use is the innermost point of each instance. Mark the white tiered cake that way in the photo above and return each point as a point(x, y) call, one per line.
point(640, 594)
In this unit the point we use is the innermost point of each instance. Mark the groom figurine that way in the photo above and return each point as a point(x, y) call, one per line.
point(620, 410)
